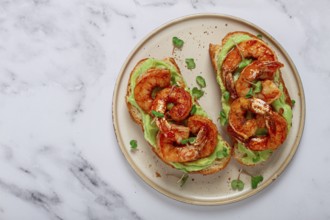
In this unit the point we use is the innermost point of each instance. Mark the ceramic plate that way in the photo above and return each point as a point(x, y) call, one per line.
point(198, 31)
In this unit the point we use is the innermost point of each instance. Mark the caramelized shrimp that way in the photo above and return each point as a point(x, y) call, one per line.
point(255, 49)
point(277, 131)
point(145, 85)
point(244, 129)
point(179, 97)
point(206, 139)
point(206, 131)
point(263, 71)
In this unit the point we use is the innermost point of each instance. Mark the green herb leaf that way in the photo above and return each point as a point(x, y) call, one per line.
point(197, 93)
point(173, 81)
point(169, 106)
point(177, 42)
point(249, 94)
point(157, 114)
point(237, 185)
point(244, 63)
point(201, 81)
point(222, 154)
point(256, 159)
point(293, 102)
point(133, 144)
point(261, 131)
point(259, 36)
point(183, 179)
point(190, 63)
point(188, 140)
point(223, 118)
point(255, 180)
point(257, 87)
point(155, 91)
point(226, 96)
point(193, 110)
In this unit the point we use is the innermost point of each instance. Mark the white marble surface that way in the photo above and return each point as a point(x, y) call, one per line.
point(59, 158)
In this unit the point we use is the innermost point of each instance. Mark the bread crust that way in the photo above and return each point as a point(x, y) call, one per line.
point(214, 49)
point(135, 114)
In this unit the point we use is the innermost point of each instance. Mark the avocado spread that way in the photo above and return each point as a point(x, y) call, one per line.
point(150, 128)
point(249, 156)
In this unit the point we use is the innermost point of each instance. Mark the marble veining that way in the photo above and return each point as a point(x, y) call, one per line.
point(59, 60)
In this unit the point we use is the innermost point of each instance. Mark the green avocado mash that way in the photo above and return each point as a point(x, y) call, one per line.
point(221, 57)
point(249, 156)
point(150, 129)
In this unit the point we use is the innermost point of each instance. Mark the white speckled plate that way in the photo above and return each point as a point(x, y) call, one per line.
point(198, 31)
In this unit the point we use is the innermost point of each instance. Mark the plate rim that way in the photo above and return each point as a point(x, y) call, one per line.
point(281, 168)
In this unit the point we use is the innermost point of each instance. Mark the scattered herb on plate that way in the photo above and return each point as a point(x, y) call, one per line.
point(133, 144)
point(255, 180)
point(190, 62)
point(201, 81)
point(237, 185)
point(177, 42)
point(197, 93)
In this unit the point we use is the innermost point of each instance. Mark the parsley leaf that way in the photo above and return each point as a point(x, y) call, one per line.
point(173, 81)
point(193, 110)
point(244, 63)
point(261, 131)
point(259, 36)
point(177, 42)
point(257, 87)
point(188, 140)
point(249, 94)
point(157, 114)
point(237, 185)
point(201, 81)
point(169, 106)
point(190, 63)
point(197, 93)
point(293, 102)
point(255, 180)
point(222, 154)
point(226, 95)
point(133, 144)
point(223, 118)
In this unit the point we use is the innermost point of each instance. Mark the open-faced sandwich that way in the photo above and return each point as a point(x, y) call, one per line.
point(256, 106)
point(174, 124)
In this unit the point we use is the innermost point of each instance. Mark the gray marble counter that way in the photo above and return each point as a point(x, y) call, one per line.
point(59, 158)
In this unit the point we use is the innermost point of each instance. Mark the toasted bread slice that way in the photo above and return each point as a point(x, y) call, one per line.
point(221, 155)
point(283, 105)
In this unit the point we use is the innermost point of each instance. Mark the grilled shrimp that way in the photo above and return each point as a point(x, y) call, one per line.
point(276, 127)
point(145, 85)
point(245, 129)
point(263, 71)
point(242, 126)
point(255, 49)
point(179, 97)
point(204, 144)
